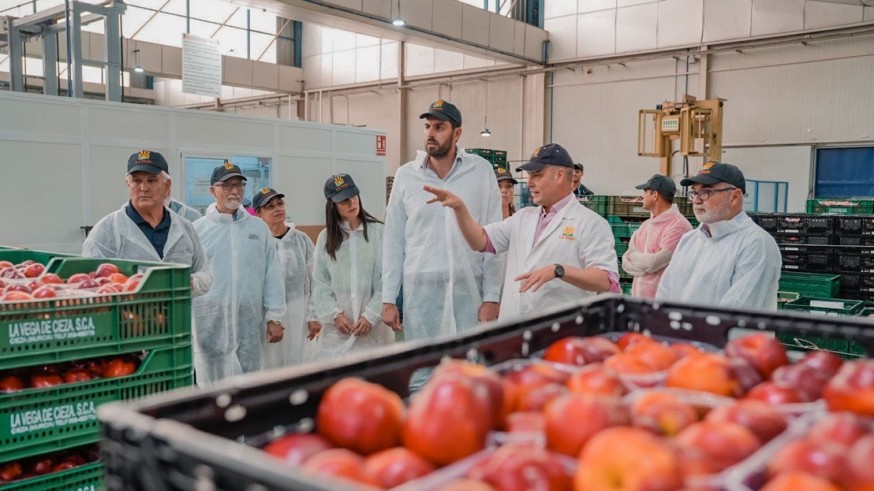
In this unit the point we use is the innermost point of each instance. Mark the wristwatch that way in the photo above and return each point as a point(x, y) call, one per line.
point(559, 271)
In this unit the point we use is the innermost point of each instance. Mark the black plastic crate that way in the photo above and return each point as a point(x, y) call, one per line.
point(857, 282)
point(767, 221)
point(855, 225)
point(795, 238)
point(195, 439)
point(792, 223)
point(807, 258)
point(854, 262)
point(858, 240)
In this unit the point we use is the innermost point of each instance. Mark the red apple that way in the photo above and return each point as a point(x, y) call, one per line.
point(12, 274)
point(839, 428)
point(19, 287)
point(88, 284)
point(45, 292)
point(662, 413)
point(822, 459)
point(526, 421)
point(337, 462)
point(801, 377)
point(596, 380)
point(538, 398)
point(10, 383)
point(627, 459)
point(118, 278)
point(654, 354)
point(774, 394)
point(709, 447)
point(762, 350)
point(360, 416)
point(16, 296)
point(598, 348)
point(799, 481)
point(825, 363)
point(761, 418)
point(746, 374)
point(77, 375)
point(589, 416)
point(568, 350)
point(296, 448)
point(33, 270)
point(77, 278)
point(465, 484)
point(51, 279)
point(489, 381)
point(395, 466)
point(852, 389)
point(631, 338)
point(523, 468)
point(106, 269)
point(859, 469)
point(705, 372)
point(531, 377)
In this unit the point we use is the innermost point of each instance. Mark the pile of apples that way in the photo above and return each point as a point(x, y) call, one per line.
point(68, 373)
point(19, 470)
point(28, 281)
point(698, 414)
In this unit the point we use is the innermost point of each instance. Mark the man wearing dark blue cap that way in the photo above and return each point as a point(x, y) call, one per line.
point(245, 306)
point(652, 245)
point(447, 287)
point(728, 261)
point(559, 251)
point(144, 229)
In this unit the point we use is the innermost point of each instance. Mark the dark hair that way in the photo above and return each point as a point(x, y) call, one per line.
point(335, 234)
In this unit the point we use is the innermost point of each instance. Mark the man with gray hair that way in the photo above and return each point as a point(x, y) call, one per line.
point(144, 230)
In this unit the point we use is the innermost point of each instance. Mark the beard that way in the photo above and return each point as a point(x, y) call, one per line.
point(441, 150)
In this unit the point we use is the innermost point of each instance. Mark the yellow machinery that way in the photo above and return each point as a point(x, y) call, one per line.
point(696, 124)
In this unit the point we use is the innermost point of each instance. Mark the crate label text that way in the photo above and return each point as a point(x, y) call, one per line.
point(51, 330)
point(52, 417)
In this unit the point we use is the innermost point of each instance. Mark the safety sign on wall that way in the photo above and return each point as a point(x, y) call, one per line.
point(201, 66)
point(380, 145)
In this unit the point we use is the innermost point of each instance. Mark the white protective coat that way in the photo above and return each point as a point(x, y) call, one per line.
point(184, 210)
point(352, 284)
point(576, 237)
point(736, 265)
point(295, 253)
point(230, 322)
point(444, 281)
point(116, 236)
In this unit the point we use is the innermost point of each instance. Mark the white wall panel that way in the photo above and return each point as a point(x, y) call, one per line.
point(821, 14)
point(869, 14)
point(626, 3)
point(209, 130)
point(147, 126)
point(773, 16)
point(445, 60)
point(312, 39)
point(596, 33)
point(680, 22)
point(636, 28)
point(307, 204)
point(419, 60)
point(501, 31)
point(584, 6)
point(381, 8)
point(558, 8)
point(341, 40)
point(727, 20)
point(417, 12)
point(447, 18)
point(789, 163)
point(474, 25)
point(305, 139)
point(367, 64)
point(389, 61)
point(19, 116)
point(344, 67)
point(563, 37)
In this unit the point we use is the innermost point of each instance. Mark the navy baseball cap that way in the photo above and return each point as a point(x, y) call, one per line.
point(504, 175)
point(716, 172)
point(340, 187)
point(443, 110)
point(264, 196)
point(224, 172)
point(661, 184)
point(578, 166)
point(549, 154)
point(147, 161)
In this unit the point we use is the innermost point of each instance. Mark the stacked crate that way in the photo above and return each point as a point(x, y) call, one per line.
point(855, 261)
point(149, 323)
point(498, 158)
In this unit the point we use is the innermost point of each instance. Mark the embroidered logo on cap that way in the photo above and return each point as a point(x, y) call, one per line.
point(229, 165)
point(338, 181)
point(437, 104)
point(706, 168)
point(144, 155)
point(265, 190)
point(536, 151)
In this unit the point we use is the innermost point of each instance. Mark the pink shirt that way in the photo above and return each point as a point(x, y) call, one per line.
point(655, 234)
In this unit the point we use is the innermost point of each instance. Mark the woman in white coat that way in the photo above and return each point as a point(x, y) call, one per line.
point(347, 274)
point(295, 251)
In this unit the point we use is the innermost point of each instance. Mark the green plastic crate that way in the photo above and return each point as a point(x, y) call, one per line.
point(626, 206)
point(598, 204)
point(810, 284)
point(16, 256)
point(157, 315)
point(620, 247)
point(38, 421)
point(844, 348)
point(824, 306)
point(88, 477)
point(626, 287)
point(620, 230)
point(783, 297)
point(841, 206)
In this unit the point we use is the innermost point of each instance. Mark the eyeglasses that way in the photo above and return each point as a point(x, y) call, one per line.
point(231, 185)
point(705, 194)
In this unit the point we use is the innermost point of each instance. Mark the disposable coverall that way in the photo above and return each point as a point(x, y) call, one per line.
point(230, 322)
point(295, 253)
point(731, 263)
point(188, 212)
point(351, 284)
point(116, 236)
point(444, 281)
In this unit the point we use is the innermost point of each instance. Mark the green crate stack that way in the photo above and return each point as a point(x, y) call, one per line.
point(840, 206)
point(498, 158)
point(845, 348)
point(626, 207)
point(783, 297)
point(810, 284)
point(598, 204)
point(153, 320)
point(825, 306)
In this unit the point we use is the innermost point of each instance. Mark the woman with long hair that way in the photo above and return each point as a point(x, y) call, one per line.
point(347, 274)
point(506, 183)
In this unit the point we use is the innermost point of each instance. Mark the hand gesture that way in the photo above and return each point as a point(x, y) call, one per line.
point(535, 279)
point(448, 199)
point(344, 324)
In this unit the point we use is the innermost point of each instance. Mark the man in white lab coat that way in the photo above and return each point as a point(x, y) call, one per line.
point(447, 288)
point(728, 261)
point(559, 251)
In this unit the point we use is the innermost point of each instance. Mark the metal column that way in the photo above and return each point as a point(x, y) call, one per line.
point(113, 58)
point(50, 63)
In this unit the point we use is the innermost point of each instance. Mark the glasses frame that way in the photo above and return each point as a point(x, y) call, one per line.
point(706, 194)
point(229, 186)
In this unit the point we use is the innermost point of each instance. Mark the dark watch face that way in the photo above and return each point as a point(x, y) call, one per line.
point(559, 270)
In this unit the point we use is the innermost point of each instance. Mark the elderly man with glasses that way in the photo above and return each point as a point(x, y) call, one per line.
point(246, 303)
point(728, 261)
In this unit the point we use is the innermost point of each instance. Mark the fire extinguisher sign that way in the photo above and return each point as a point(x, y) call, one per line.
point(380, 145)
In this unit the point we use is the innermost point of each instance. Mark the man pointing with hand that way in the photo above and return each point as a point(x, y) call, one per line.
point(559, 251)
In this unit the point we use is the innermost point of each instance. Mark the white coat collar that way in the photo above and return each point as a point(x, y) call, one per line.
point(560, 215)
point(344, 225)
point(724, 228)
point(213, 214)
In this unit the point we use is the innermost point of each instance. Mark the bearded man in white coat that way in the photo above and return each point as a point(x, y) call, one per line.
point(559, 251)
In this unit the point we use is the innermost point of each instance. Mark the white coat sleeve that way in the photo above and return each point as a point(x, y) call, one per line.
point(499, 233)
point(493, 268)
point(597, 249)
point(394, 243)
point(323, 297)
point(373, 309)
point(668, 286)
point(201, 271)
point(756, 275)
point(309, 249)
point(102, 240)
point(274, 284)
